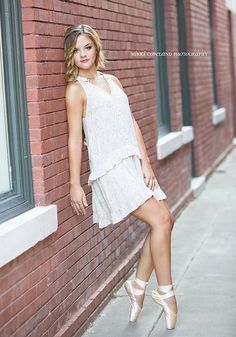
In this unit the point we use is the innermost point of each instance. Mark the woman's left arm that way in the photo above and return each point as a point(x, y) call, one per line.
point(148, 173)
point(149, 176)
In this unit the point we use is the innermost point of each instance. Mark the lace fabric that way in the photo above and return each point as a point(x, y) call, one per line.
point(115, 176)
point(120, 191)
point(108, 127)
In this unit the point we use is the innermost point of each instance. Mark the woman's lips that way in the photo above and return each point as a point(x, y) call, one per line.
point(84, 61)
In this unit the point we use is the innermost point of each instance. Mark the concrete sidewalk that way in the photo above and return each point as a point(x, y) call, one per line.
point(203, 268)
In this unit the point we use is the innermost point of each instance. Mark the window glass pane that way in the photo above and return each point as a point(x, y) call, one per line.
point(164, 126)
point(5, 167)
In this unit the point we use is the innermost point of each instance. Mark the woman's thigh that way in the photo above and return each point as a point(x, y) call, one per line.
point(154, 213)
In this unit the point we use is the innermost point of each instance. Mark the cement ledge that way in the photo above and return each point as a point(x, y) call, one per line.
point(218, 116)
point(198, 185)
point(173, 141)
point(23, 231)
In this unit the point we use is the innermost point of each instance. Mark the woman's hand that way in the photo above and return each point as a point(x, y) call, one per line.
point(78, 199)
point(149, 177)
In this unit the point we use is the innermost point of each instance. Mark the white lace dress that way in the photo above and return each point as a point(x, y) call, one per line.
point(116, 177)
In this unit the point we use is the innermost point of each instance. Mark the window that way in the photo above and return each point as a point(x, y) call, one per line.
point(161, 66)
point(16, 191)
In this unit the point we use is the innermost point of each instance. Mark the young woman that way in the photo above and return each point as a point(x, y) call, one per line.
point(121, 177)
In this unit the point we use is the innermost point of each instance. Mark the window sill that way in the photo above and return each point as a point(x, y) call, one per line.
point(197, 185)
point(218, 116)
point(173, 141)
point(23, 231)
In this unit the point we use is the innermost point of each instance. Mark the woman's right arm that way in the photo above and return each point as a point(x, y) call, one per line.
point(74, 107)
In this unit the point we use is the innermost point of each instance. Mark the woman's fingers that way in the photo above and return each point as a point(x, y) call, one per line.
point(75, 208)
point(85, 201)
point(152, 182)
point(78, 199)
point(78, 207)
point(155, 183)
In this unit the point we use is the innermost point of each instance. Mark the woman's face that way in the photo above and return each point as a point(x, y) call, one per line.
point(85, 50)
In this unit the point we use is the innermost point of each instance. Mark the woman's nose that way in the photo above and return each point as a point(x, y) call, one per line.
point(82, 54)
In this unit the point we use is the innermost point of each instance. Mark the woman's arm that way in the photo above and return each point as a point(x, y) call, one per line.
point(138, 133)
point(74, 107)
point(149, 176)
point(142, 147)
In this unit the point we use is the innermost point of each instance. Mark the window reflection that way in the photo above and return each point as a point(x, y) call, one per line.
point(5, 167)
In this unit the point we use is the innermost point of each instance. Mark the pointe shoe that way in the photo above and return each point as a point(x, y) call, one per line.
point(169, 307)
point(132, 292)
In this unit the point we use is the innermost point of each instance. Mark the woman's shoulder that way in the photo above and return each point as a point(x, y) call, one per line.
point(74, 89)
point(73, 86)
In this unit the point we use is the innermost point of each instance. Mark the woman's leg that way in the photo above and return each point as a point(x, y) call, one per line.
point(146, 262)
point(160, 220)
point(145, 265)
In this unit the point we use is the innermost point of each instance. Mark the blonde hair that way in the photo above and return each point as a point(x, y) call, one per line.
point(71, 35)
point(72, 70)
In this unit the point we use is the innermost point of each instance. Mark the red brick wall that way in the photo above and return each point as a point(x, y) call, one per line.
point(49, 283)
point(233, 18)
point(232, 37)
point(175, 170)
point(210, 140)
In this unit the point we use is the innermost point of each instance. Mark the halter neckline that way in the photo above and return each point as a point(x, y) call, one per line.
point(85, 79)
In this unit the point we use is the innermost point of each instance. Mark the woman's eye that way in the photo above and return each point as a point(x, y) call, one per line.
point(76, 50)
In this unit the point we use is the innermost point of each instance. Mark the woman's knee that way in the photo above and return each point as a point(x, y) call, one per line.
point(155, 214)
point(169, 216)
point(164, 222)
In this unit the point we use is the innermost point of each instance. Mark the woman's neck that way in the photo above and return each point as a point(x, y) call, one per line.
point(89, 74)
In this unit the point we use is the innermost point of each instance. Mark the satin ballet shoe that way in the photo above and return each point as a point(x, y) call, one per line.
point(132, 292)
point(169, 307)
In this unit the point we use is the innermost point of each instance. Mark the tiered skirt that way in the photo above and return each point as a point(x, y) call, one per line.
point(120, 191)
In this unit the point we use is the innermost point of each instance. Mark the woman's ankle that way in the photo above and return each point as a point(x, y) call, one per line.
point(165, 287)
point(140, 282)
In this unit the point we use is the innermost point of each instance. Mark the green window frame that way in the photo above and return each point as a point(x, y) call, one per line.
point(19, 198)
point(212, 41)
point(162, 70)
point(184, 78)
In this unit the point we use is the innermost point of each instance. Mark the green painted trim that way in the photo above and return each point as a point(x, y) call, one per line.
point(212, 40)
point(161, 67)
point(20, 198)
point(184, 78)
point(186, 101)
